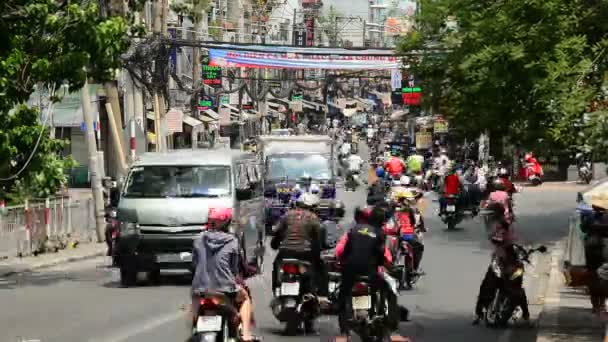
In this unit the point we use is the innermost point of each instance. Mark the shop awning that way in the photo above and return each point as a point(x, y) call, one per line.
point(398, 114)
point(206, 119)
point(210, 113)
point(190, 121)
point(232, 108)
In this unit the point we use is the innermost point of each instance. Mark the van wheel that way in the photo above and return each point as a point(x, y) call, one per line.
point(128, 275)
point(154, 277)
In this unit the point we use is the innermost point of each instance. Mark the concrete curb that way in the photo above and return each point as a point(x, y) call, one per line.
point(54, 262)
point(551, 294)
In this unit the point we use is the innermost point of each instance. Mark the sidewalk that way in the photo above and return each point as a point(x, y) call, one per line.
point(31, 263)
point(566, 313)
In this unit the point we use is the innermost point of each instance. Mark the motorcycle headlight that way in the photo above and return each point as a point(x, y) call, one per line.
point(129, 228)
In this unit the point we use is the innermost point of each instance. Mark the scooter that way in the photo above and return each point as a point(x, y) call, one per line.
point(585, 172)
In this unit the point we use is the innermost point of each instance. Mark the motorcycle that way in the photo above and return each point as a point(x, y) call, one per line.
point(403, 253)
point(334, 276)
point(585, 172)
point(112, 232)
point(531, 174)
point(294, 303)
point(502, 308)
point(453, 214)
point(366, 312)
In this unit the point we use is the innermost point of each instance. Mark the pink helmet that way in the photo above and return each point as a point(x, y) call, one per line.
point(219, 218)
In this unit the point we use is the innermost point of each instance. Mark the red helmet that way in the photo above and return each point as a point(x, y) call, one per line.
point(219, 218)
point(363, 215)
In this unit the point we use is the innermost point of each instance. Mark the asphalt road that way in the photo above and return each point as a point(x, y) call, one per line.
point(84, 302)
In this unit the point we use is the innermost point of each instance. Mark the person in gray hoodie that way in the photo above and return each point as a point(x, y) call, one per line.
point(220, 267)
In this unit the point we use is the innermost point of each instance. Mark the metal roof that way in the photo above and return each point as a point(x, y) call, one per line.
point(220, 156)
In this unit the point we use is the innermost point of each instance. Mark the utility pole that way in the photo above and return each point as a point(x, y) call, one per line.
point(93, 162)
point(293, 28)
point(364, 23)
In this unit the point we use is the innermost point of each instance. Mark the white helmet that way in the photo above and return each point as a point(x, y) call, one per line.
point(315, 188)
point(309, 199)
point(405, 180)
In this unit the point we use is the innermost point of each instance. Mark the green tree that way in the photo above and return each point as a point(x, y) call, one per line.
point(55, 44)
point(523, 69)
point(328, 23)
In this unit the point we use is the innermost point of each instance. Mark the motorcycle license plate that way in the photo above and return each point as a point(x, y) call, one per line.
point(332, 287)
point(362, 303)
point(451, 208)
point(209, 323)
point(290, 289)
point(170, 258)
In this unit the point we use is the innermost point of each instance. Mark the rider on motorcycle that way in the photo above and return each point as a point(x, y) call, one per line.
point(414, 162)
point(299, 235)
point(452, 186)
point(405, 218)
point(501, 196)
point(507, 256)
point(362, 252)
point(377, 190)
point(214, 255)
point(395, 166)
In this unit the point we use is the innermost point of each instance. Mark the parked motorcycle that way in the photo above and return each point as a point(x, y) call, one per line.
point(585, 172)
point(532, 173)
point(294, 303)
point(503, 308)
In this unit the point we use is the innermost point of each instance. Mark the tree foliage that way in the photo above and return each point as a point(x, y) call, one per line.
point(523, 69)
point(329, 24)
point(53, 44)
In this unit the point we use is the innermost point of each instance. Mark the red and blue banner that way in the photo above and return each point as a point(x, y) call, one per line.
point(307, 58)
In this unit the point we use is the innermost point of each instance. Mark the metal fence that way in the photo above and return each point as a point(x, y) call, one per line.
point(36, 225)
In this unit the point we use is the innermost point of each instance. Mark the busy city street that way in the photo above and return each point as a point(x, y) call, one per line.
point(85, 302)
point(303, 170)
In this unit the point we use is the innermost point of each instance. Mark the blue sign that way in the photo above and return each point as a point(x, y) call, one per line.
point(83, 127)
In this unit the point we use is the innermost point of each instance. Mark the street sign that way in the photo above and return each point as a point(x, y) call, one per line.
point(212, 76)
point(440, 126)
point(424, 140)
point(296, 106)
point(225, 99)
point(174, 120)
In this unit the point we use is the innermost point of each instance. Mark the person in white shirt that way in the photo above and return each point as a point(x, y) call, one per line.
point(345, 149)
point(354, 163)
point(353, 169)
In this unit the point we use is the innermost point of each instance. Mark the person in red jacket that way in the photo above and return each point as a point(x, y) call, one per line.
point(451, 187)
point(395, 167)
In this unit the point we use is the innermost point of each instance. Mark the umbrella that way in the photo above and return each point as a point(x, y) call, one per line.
point(597, 195)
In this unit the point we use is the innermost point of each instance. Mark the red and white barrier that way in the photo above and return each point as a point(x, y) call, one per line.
point(47, 216)
point(132, 139)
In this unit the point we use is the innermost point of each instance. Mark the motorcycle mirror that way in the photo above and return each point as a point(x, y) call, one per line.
point(542, 249)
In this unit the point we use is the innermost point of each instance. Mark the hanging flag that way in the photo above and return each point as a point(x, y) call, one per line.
point(396, 79)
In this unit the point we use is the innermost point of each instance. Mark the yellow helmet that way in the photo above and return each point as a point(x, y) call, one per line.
point(404, 195)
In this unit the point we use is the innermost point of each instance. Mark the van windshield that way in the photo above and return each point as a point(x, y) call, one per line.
point(295, 166)
point(178, 181)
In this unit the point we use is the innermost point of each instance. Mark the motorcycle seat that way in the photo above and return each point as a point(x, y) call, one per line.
point(214, 294)
point(296, 262)
point(363, 279)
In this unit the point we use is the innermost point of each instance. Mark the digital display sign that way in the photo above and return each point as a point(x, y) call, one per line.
point(212, 76)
